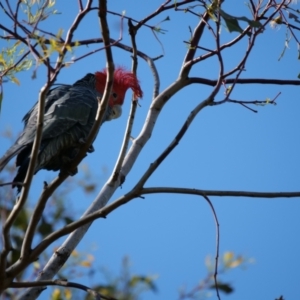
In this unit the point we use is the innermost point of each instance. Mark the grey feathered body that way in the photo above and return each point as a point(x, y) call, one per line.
point(70, 112)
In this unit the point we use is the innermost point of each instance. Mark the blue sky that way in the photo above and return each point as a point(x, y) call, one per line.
point(227, 148)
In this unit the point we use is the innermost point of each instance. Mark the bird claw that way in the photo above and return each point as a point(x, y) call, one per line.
point(91, 148)
point(72, 172)
point(68, 171)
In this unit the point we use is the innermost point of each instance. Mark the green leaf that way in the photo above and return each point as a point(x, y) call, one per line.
point(15, 80)
point(233, 24)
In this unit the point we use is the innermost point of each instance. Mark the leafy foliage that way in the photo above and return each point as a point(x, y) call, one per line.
point(11, 61)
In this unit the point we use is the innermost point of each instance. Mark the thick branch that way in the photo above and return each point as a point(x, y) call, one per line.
point(197, 34)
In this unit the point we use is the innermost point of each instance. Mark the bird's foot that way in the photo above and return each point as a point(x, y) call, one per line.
point(67, 170)
point(90, 149)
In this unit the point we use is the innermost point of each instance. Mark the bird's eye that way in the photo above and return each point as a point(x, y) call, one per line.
point(115, 95)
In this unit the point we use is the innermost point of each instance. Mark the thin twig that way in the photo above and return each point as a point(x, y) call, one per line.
point(217, 244)
point(80, 5)
point(17, 183)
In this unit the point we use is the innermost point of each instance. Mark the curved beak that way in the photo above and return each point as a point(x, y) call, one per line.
point(115, 113)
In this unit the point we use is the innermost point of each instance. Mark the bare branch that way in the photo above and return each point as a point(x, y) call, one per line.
point(19, 265)
point(80, 5)
point(198, 32)
point(12, 183)
point(249, 194)
point(155, 164)
point(126, 139)
point(63, 283)
point(137, 194)
point(162, 8)
point(217, 244)
point(27, 182)
point(274, 81)
point(222, 47)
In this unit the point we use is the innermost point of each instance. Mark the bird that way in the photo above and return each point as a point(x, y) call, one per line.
point(69, 115)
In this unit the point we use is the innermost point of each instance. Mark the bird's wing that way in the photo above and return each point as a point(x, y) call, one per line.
point(30, 120)
point(64, 109)
point(53, 95)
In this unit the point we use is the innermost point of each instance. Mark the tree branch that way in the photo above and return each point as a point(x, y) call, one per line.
point(217, 244)
point(27, 182)
point(197, 34)
point(137, 194)
point(213, 82)
point(127, 135)
point(62, 254)
point(63, 283)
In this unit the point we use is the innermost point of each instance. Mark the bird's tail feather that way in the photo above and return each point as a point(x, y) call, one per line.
point(10, 153)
